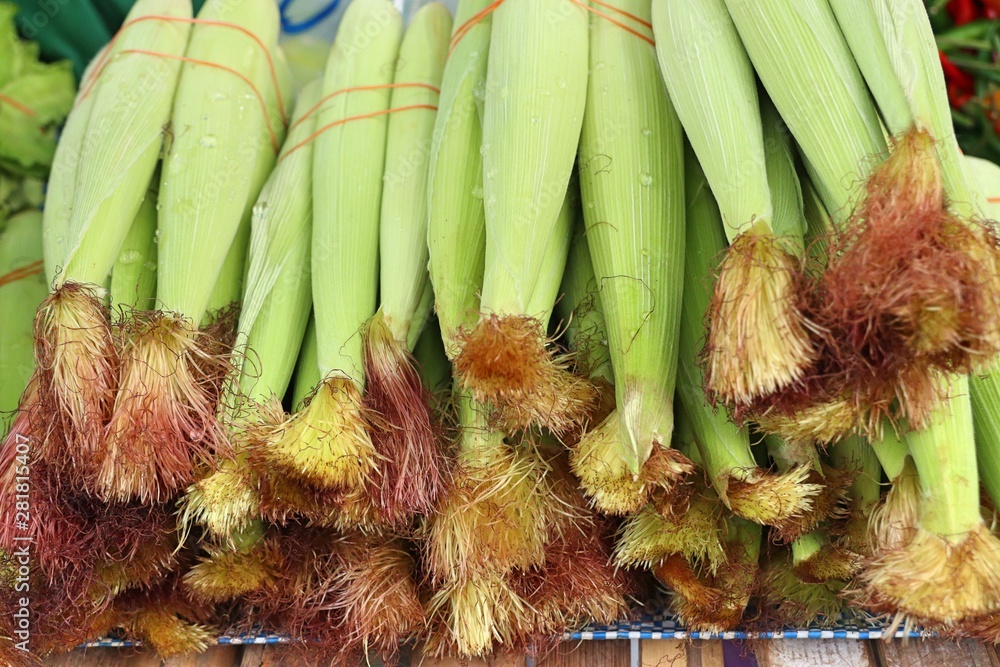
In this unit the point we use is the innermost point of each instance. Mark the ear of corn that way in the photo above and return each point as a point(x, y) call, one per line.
point(403, 228)
point(347, 183)
point(877, 55)
point(124, 136)
point(532, 115)
point(749, 491)
point(327, 444)
point(948, 571)
point(61, 190)
point(229, 287)
point(407, 445)
point(278, 298)
point(535, 96)
point(208, 172)
point(133, 279)
point(757, 341)
point(456, 232)
point(807, 68)
point(722, 445)
point(712, 86)
point(632, 180)
point(20, 251)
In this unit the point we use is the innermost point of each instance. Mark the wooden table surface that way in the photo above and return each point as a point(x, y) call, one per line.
point(635, 653)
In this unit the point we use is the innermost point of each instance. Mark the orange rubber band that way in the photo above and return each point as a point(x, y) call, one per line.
point(206, 63)
point(95, 74)
point(624, 13)
point(350, 119)
point(648, 40)
point(329, 97)
point(26, 271)
point(993, 200)
point(23, 108)
point(464, 29)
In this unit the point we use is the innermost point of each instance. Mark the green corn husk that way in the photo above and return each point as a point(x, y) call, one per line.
point(947, 573)
point(456, 231)
point(758, 341)
point(407, 444)
point(275, 312)
point(634, 211)
point(307, 370)
point(348, 193)
point(603, 473)
point(209, 171)
point(985, 387)
point(229, 286)
point(133, 278)
point(20, 253)
point(533, 112)
point(61, 190)
point(580, 311)
point(278, 297)
point(544, 300)
point(894, 45)
point(807, 68)
point(124, 137)
point(403, 228)
point(432, 362)
point(749, 491)
point(531, 128)
point(327, 445)
point(860, 25)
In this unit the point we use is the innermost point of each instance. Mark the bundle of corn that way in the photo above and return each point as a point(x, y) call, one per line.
point(632, 185)
point(488, 477)
point(909, 267)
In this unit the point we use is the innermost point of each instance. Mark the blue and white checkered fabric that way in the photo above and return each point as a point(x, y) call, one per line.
point(649, 627)
point(665, 627)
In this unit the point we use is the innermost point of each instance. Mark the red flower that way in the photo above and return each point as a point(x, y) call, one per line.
point(964, 11)
point(961, 85)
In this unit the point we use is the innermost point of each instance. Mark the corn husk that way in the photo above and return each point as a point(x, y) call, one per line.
point(533, 111)
point(133, 278)
point(20, 254)
point(456, 233)
point(209, 169)
point(634, 213)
